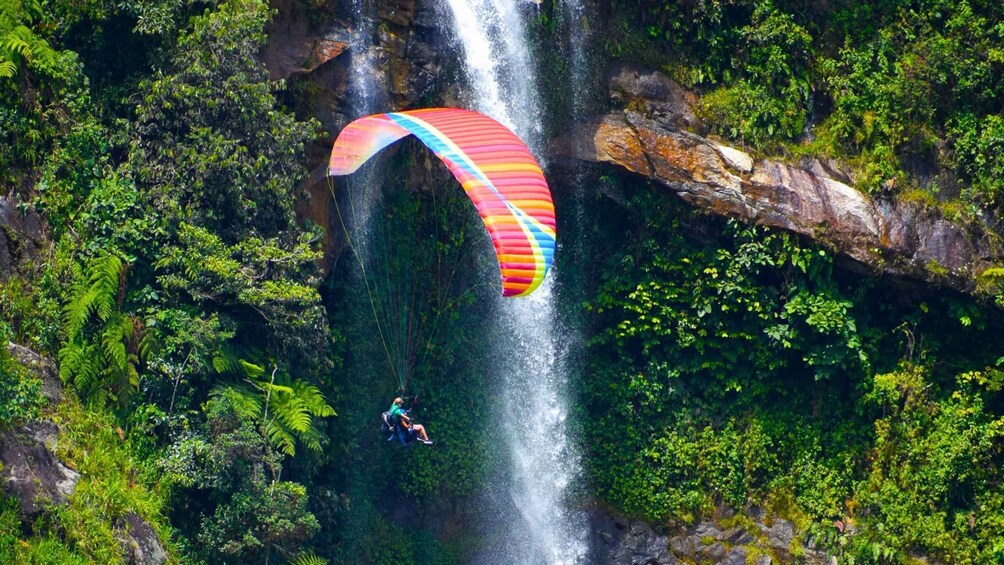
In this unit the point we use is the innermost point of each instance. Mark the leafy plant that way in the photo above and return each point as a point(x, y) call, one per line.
point(248, 512)
point(20, 47)
point(20, 392)
point(284, 410)
point(103, 343)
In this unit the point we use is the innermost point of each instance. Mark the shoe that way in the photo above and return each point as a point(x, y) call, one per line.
point(426, 441)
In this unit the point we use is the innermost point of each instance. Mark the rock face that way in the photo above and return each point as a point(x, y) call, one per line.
point(31, 473)
point(651, 138)
point(623, 542)
point(42, 367)
point(140, 545)
point(314, 44)
point(22, 237)
point(317, 43)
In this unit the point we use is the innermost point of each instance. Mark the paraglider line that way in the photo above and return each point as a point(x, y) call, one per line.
point(362, 267)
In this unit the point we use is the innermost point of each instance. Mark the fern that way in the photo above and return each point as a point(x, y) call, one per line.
point(102, 349)
point(97, 295)
point(15, 42)
point(281, 439)
point(247, 404)
point(288, 416)
point(19, 44)
point(226, 361)
point(308, 559)
point(112, 341)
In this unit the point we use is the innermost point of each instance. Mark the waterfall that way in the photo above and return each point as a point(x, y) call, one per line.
point(527, 511)
point(365, 97)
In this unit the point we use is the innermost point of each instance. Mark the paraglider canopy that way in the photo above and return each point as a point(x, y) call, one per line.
point(495, 168)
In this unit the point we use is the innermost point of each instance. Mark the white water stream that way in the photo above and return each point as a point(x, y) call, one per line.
point(527, 513)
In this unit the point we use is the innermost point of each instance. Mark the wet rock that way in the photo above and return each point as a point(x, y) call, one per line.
point(31, 473)
point(714, 553)
point(708, 530)
point(296, 46)
point(140, 544)
point(737, 536)
point(736, 556)
point(620, 542)
point(781, 534)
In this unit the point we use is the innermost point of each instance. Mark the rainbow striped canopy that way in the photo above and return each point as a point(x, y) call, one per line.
point(495, 168)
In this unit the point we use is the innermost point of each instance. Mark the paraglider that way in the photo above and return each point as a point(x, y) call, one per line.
point(398, 425)
point(495, 169)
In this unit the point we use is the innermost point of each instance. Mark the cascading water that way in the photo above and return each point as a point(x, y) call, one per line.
point(364, 95)
point(527, 512)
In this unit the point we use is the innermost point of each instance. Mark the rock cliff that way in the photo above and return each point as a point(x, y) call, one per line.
point(32, 473)
point(653, 136)
point(736, 539)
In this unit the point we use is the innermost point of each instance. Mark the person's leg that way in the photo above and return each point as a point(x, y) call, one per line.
point(420, 430)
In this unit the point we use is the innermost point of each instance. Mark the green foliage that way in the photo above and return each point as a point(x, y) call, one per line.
point(769, 98)
point(189, 197)
point(250, 514)
point(37, 86)
point(730, 316)
point(29, 314)
point(259, 521)
point(111, 485)
point(34, 549)
point(210, 146)
point(898, 79)
point(103, 344)
point(752, 55)
point(932, 463)
point(979, 145)
point(284, 410)
point(257, 281)
point(737, 372)
point(721, 328)
point(19, 46)
point(20, 392)
point(748, 113)
point(86, 199)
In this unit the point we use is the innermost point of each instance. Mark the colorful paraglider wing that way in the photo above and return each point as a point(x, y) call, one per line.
point(361, 140)
point(494, 166)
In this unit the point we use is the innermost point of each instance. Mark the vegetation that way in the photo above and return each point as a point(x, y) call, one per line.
point(907, 91)
point(21, 391)
point(180, 268)
point(225, 391)
point(747, 371)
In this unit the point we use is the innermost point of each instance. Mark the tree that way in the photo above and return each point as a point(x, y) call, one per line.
point(211, 146)
point(239, 509)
